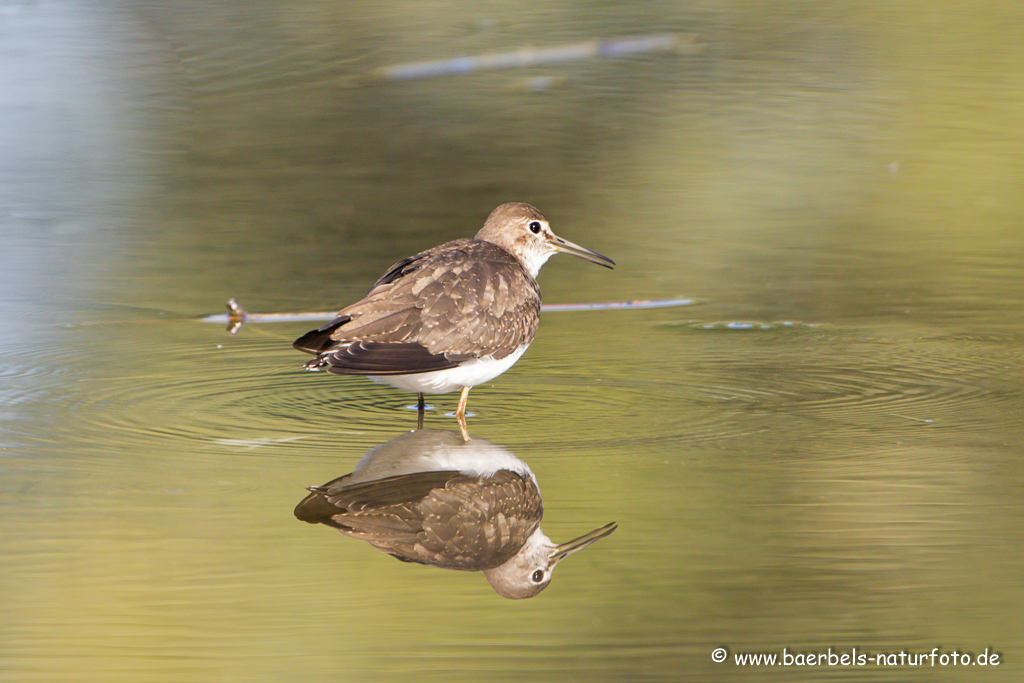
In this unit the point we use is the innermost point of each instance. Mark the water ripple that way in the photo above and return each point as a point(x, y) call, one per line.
point(194, 387)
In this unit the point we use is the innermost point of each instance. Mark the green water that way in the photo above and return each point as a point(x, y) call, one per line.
point(822, 453)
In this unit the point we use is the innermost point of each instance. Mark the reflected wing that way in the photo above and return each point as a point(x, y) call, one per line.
point(337, 498)
point(479, 523)
point(439, 518)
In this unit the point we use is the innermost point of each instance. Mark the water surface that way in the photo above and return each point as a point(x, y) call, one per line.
point(821, 453)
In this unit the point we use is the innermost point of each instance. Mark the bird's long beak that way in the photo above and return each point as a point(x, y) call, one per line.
point(564, 550)
point(566, 247)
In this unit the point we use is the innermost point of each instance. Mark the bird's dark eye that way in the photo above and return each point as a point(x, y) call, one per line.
point(538, 575)
point(534, 228)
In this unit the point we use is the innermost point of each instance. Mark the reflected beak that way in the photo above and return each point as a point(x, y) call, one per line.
point(567, 247)
point(564, 550)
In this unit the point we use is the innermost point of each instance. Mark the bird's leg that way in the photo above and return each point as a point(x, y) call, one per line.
point(463, 399)
point(419, 412)
point(460, 413)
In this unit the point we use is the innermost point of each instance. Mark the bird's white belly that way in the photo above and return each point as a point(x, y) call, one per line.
point(468, 374)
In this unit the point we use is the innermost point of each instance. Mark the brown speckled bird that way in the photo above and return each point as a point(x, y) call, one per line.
point(451, 317)
point(433, 498)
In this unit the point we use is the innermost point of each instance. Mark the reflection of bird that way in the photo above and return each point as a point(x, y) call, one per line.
point(451, 317)
point(433, 498)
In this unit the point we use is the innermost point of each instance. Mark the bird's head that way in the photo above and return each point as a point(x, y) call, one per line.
point(524, 231)
point(529, 572)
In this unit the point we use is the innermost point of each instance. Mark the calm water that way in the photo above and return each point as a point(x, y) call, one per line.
point(822, 453)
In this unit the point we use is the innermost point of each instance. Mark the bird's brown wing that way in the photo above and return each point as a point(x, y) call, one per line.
point(338, 497)
point(462, 300)
point(440, 518)
point(494, 518)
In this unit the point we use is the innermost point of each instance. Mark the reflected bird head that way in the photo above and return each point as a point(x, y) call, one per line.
point(525, 232)
point(529, 572)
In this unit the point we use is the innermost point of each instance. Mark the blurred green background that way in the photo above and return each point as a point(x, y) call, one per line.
point(824, 453)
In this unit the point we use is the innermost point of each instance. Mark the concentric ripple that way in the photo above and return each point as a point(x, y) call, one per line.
point(871, 381)
point(175, 384)
point(719, 382)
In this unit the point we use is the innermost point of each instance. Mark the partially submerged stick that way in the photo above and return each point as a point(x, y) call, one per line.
point(237, 315)
point(539, 56)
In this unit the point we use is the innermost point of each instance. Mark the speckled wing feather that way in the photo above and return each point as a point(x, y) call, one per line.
point(464, 299)
point(338, 496)
point(502, 512)
point(444, 519)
